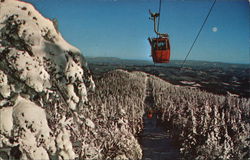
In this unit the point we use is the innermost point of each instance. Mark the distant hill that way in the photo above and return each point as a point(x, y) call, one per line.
point(103, 59)
point(173, 63)
point(114, 60)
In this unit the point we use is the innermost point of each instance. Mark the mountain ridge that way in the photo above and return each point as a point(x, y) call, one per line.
point(179, 62)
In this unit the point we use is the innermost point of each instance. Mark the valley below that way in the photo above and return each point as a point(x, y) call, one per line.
point(215, 77)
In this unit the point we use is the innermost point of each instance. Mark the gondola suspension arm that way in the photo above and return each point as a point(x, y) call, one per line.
point(154, 17)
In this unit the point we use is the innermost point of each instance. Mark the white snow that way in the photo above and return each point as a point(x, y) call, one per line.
point(232, 95)
point(82, 91)
point(65, 146)
point(63, 142)
point(227, 84)
point(196, 85)
point(4, 87)
point(38, 47)
point(89, 123)
point(36, 60)
point(6, 121)
point(187, 82)
point(28, 123)
point(73, 98)
point(73, 71)
point(31, 120)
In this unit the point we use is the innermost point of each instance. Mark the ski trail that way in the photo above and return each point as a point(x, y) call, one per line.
point(155, 142)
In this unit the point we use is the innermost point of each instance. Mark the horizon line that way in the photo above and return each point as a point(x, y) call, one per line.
point(163, 63)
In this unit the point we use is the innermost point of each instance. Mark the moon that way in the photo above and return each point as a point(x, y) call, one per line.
point(214, 29)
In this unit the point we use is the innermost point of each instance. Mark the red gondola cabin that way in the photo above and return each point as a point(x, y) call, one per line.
point(160, 49)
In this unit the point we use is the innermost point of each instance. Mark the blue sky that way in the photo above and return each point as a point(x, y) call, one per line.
point(120, 28)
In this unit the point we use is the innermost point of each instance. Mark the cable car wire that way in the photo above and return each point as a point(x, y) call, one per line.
point(158, 26)
point(197, 36)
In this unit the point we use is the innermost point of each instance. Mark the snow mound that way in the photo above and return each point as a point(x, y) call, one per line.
point(6, 121)
point(4, 87)
point(43, 79)
point(26, 125)
point(32, 46)
point(31, 125)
